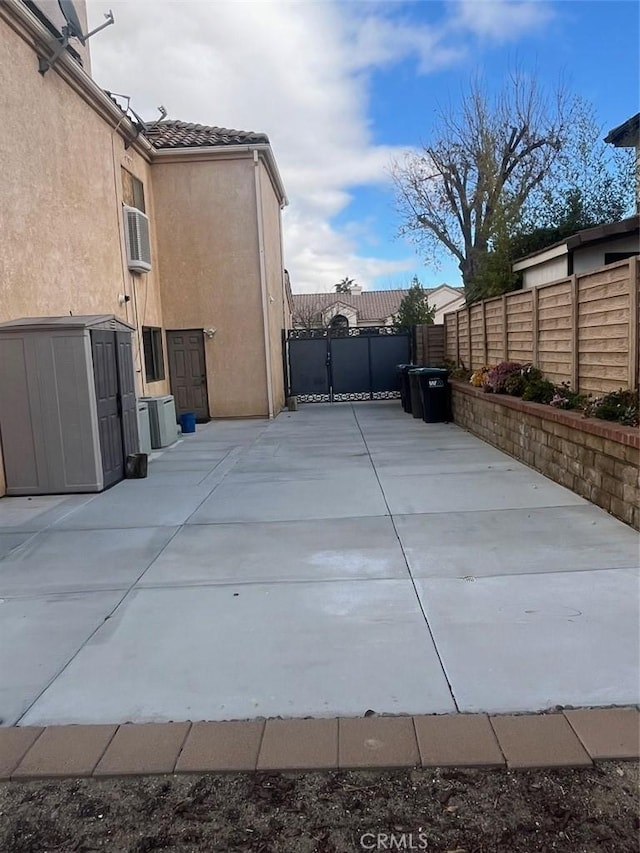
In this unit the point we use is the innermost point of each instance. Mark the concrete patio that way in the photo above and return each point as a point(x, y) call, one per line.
point(340, 559)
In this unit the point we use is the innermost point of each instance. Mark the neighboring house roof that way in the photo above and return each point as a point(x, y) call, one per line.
point(370, 305)
point(182, 134)
point(586, 237)
point(625, 135)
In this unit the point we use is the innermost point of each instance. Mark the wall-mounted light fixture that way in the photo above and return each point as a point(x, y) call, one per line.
point(123, 298)
point(210, 332)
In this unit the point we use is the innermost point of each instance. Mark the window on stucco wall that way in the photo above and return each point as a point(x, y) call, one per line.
point(132, 191)
point(153, 359)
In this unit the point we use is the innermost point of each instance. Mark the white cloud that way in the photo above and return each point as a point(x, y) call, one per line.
point(502, 20)
point(298, 71)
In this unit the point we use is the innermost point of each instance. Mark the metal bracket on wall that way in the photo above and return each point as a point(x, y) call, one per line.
point(71, 30)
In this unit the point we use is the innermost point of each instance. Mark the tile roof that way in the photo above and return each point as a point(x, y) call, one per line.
point(182, 134)
point(371, 305)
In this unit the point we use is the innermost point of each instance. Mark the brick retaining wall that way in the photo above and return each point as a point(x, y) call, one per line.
point(596, 459)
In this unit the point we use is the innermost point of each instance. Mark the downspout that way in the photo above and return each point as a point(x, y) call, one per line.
point(263, 282)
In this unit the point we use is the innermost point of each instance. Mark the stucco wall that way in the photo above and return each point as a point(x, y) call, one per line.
point(61, 204)
point(274, 271)
point(206, 223)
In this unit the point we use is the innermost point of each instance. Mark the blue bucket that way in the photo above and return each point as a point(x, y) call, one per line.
point(188, 422)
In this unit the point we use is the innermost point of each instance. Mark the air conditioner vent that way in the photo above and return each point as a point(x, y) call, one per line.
point(136, 232)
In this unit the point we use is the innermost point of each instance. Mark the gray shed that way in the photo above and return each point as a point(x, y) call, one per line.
point(68, 416)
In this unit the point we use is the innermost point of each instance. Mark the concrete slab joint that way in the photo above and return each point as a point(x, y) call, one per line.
point(272, 584)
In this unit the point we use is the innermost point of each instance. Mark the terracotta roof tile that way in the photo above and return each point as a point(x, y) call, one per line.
point(370, 304)
point(182, 134)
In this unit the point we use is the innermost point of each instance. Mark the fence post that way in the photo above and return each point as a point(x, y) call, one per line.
point(505, 333)
point(575, 335)
point(444, 337)
point(484, 334)
point(534, 326)
point(634, 356)
point(457, 339)
point(469, 338)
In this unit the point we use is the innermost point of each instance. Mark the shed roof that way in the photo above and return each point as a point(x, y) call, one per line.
point(589, 236)
point(626, 134)
point(85, 321)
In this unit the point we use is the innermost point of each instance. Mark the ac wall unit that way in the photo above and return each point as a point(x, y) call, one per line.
point(136, 235)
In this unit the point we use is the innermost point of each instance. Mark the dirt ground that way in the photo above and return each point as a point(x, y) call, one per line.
point(442, 811)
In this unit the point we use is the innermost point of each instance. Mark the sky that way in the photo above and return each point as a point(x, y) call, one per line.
point(343, 88)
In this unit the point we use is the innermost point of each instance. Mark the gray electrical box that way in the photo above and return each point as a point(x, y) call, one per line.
point(68, 415)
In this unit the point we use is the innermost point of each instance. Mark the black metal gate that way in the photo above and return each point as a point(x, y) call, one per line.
point(334, 365)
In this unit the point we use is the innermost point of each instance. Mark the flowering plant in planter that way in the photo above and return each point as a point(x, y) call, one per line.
point(498, 375)
point(565, 398)
point(621, 406)
point(479, 377)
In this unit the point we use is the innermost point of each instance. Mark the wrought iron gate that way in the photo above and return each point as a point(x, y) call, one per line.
point(334, 365)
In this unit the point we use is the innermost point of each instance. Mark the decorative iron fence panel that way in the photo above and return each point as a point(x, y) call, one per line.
point(345, 364)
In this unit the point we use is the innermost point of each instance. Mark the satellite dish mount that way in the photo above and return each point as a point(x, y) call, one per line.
point(72, 29)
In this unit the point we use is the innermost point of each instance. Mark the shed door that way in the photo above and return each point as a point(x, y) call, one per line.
point(188, 372)
point(105, 373)
point(127, 389)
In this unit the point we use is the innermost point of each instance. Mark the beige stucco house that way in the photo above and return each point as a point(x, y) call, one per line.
point(582, 252)
point(211, 308)
point(366, 308)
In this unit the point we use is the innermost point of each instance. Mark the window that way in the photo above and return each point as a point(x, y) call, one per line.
point(153, 360)
point(132, 191)
point(339, 322)
point(614, 257)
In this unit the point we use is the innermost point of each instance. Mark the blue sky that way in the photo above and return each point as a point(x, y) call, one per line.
point(342, 88)
point(403, 103)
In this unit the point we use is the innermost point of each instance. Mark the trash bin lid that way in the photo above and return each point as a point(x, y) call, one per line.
point(432, 371)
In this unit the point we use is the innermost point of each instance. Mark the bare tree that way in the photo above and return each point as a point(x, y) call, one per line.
point(308, 315)
point(486, 157)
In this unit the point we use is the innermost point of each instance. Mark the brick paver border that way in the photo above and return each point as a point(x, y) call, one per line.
point(571, 738)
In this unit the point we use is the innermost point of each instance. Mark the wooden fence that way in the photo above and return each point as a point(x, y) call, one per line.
point(429, 345)
point(582, 329)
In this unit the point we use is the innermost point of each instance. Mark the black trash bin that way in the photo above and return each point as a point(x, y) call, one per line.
point(435, 392)
point(415, 392)
point(405, 393)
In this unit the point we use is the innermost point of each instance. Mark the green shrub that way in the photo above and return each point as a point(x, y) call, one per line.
point(621, 406)
point(515, 385)
point(531, 373)
point(565, 398)
point(539, 391)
